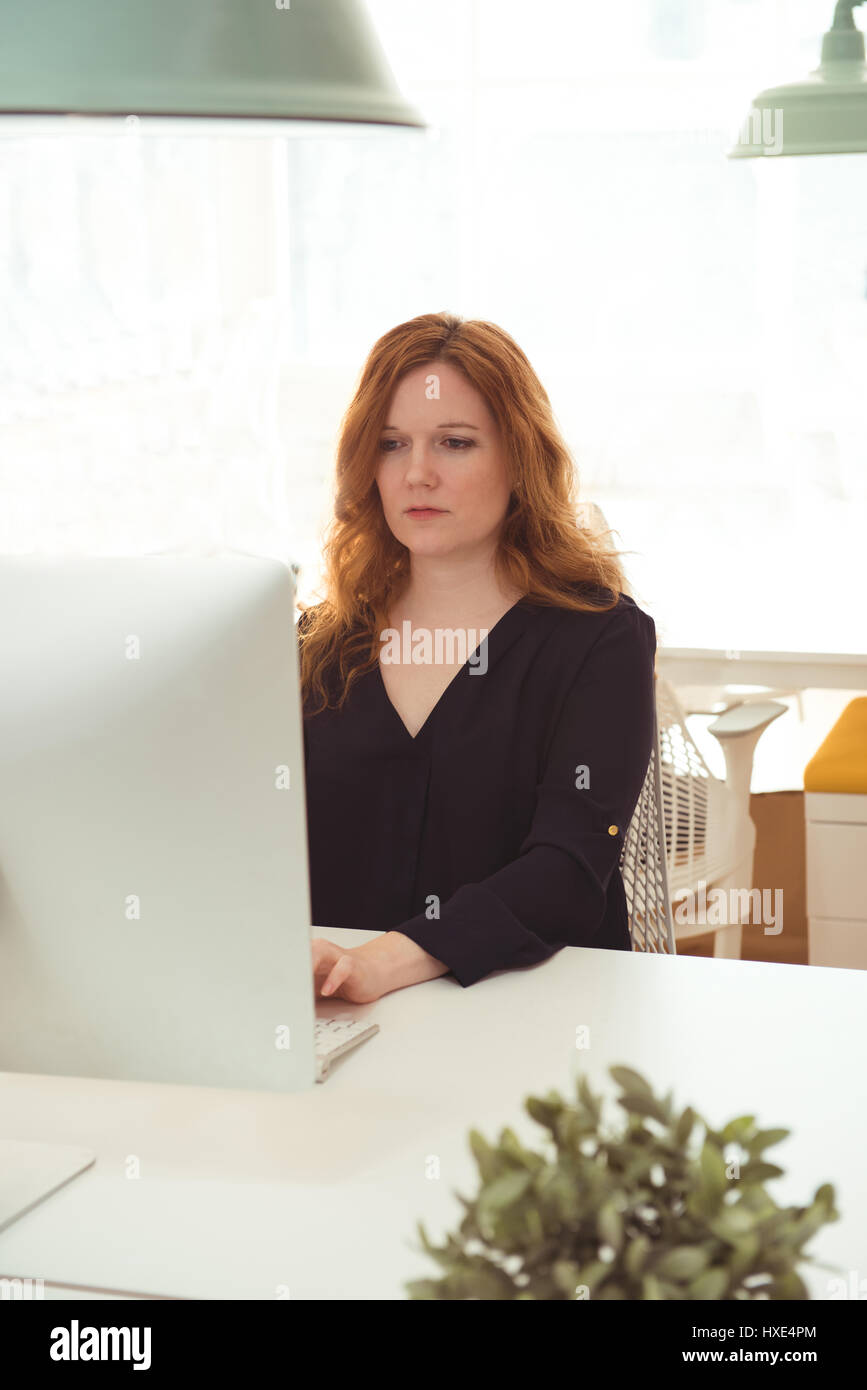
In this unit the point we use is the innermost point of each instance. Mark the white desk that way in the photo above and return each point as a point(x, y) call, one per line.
point(316, 1195)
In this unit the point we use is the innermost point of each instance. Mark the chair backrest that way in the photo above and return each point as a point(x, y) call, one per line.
point(697, 807)
point(644, 855)
point(643, 863)
point(683, 827)
point(680, 832)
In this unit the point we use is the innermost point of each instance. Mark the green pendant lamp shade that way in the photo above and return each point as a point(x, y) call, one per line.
point(826, 113)
point(312, 60)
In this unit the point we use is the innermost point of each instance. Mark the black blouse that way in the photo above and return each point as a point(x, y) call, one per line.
point(482, 838)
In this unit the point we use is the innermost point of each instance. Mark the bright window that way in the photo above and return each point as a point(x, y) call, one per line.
point(184, 320)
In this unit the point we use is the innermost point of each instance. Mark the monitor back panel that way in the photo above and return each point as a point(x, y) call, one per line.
point(154, 898)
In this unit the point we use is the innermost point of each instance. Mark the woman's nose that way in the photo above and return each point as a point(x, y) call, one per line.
point(420, 464)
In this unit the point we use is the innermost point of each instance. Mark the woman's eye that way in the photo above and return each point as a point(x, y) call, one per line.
point(455, 443)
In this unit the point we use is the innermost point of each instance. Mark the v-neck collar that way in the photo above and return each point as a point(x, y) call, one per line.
point(499, 638)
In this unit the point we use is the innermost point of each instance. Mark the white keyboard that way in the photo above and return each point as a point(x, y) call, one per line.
point(334, 1036)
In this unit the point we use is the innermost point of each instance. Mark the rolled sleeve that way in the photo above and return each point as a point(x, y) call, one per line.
point(555, 893)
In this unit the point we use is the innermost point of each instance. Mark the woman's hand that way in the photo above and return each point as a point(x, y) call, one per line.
point(363, 973)
point(341, 973)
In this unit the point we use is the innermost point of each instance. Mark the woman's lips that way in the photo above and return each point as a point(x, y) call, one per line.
point(425, 511)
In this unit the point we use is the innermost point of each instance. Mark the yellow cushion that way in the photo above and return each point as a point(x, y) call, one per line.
point(840, 764)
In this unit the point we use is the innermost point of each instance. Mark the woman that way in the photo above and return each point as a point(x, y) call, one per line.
point(467, 794)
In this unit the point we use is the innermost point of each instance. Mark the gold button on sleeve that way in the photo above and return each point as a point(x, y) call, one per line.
point(612, 830)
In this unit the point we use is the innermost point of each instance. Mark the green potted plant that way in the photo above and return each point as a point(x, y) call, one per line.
point(664, 1207)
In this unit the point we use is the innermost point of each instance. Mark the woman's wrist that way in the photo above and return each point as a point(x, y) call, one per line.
point(402, 960)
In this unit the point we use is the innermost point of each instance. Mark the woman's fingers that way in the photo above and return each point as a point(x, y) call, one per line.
point(338, 975)
point(343, 973)
point(324, 954)
point(331, 965)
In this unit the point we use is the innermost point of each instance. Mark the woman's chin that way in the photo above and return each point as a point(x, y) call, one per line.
point(420, 541)
point(429, 545)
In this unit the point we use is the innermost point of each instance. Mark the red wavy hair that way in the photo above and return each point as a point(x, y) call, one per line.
point(543, 550)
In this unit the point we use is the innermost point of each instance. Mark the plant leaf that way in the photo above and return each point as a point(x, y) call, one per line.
point(685, 1125)
point(609, 1225)
point(765, 1138)
point(505, 1190)
point(737, 1130)
point(636, 1254)
point(566, 1275)
point(743, 1256)
point(713, 1283)
point(713, 1168)
point(424, 1288)
point(756, 1171)
point(637, 1104)
point(683, 1262)
point(632, 1082)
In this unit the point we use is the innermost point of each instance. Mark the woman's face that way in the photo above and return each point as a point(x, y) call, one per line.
point(442, 475)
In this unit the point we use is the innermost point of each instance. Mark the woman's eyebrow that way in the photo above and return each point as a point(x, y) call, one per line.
point(450, 425)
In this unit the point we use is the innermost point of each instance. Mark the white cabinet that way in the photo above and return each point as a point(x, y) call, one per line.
point(837, 879)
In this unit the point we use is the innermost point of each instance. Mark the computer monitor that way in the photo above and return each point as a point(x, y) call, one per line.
point(154, 897)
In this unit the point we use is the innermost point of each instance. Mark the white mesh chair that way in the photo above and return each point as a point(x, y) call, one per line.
point(691, 833)
point(644, 865)
point(689, 830)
